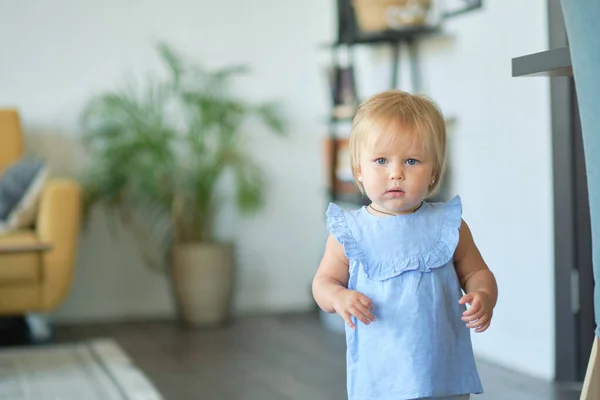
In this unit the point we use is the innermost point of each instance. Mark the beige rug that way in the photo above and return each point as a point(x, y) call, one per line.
point(95, 370)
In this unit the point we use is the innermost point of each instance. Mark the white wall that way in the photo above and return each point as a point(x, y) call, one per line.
point(502, 158)
point(501, 165)
point(61, 52)
point(57, 54)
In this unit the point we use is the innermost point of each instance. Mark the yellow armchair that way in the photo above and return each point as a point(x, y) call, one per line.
point(38, 281)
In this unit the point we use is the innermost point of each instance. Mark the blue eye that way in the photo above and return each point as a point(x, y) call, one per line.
point(412, 161)
point(380, 161)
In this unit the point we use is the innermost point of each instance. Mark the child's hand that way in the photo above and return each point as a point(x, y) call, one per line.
point(479, 315)
point(349, 303)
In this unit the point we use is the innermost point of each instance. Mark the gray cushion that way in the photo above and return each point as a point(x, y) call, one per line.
point(15, 181)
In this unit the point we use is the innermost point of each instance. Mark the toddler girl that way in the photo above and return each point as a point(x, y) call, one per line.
point(394, 270)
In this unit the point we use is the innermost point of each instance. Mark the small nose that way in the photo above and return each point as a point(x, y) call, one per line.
point(396, 172)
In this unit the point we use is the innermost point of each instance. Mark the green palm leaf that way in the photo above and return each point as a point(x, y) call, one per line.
point(158, 152)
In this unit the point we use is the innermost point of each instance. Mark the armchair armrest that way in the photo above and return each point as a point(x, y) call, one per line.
point(58, 223)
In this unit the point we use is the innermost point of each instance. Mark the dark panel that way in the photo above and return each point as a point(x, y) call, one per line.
point(583, 239)
point(564, 205)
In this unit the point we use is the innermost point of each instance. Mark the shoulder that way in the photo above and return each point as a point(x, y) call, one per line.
point(335, 250)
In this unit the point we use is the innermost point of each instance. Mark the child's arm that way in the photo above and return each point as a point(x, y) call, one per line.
point(477, 281)
point(330, 286)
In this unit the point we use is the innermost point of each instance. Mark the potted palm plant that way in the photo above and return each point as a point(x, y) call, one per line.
point(158, 154)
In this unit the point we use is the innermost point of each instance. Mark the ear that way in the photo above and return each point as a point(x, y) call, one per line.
point(358, 175)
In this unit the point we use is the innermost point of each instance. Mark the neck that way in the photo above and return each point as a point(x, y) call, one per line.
point(377, 210)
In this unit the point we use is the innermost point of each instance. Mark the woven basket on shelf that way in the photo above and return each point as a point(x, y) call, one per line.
point(382, 15)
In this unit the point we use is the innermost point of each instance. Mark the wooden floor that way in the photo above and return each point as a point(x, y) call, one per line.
point(281, 357)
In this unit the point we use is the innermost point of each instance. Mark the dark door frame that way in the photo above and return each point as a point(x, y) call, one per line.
point(574, 322)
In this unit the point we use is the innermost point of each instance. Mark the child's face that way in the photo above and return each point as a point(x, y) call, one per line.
point(396, 177)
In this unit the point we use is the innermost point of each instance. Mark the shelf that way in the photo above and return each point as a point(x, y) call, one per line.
point(556, 62)
point(389, 36)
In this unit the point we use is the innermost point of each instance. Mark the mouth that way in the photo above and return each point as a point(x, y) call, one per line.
point(395, 192)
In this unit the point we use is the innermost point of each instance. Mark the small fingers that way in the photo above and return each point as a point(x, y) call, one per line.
point(365, 311)
point(346, 316)
point(472, 317)
point(475, 307)
point(365, 301)
point(479, 322)
point(467, 298)
point(359, 315)
point(483, 327)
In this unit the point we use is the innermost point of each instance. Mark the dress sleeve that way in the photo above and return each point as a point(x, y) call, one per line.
point(337, 223)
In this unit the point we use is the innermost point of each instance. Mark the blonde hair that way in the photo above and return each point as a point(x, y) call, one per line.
point(400, 117)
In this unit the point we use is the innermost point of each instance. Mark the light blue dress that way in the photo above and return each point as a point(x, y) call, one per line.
point(418, 346)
